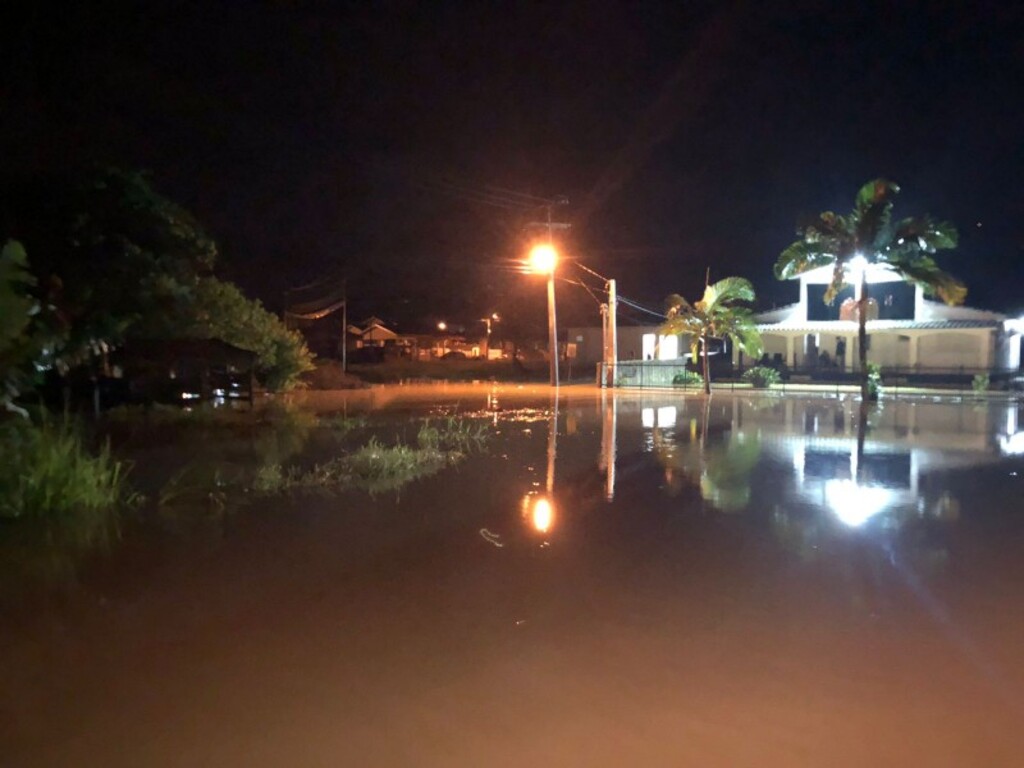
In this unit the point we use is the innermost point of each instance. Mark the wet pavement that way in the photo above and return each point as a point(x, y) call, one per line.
point(630, 580)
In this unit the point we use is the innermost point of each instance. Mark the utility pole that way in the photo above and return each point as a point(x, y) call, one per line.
point(609, 328)
point(613, 335)
point(552, 323)
point(344, 333)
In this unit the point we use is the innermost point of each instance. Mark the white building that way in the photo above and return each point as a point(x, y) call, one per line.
point(907, 334)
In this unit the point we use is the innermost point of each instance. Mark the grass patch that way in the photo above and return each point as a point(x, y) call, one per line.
point(452, 434)
point(47, 470)
point(379, 468)
point(375, 468)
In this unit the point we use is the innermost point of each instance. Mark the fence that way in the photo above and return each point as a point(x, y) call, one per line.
point(662, 373)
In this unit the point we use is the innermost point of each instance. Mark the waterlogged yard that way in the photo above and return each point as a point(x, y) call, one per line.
point(481, 575)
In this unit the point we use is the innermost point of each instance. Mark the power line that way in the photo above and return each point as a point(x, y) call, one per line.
point(641, 307)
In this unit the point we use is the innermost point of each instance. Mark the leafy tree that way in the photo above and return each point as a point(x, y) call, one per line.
point(718, 315)
point(124, 262)
point(222, 311)
point(869, 233)
point(28, 330)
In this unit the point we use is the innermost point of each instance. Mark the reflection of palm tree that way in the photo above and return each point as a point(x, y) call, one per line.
point(721, 469)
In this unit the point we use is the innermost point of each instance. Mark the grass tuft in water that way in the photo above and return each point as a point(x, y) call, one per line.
point(452, 434)
point(379, 468)
point(47, 470)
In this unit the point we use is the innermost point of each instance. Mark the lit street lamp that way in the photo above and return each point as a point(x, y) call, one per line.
point(543, 260)
point(443, 326)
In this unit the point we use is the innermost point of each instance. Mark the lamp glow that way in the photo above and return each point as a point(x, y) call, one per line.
point(538, 512)
point(543, 259)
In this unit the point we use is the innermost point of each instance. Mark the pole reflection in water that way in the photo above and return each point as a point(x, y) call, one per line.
point(538, 510)
point(552, 444)
point(606, 461)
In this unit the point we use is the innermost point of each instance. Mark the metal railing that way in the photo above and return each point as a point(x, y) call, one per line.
point(671, 374)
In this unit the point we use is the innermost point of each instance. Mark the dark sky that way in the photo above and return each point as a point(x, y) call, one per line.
point(319, 138)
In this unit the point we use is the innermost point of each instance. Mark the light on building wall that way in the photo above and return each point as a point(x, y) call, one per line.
point(858, 264)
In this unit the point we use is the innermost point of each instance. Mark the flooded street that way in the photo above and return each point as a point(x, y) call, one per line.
point(643, 580)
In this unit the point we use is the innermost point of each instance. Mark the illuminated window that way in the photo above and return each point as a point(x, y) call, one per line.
point(668, 348)
point(647, 344)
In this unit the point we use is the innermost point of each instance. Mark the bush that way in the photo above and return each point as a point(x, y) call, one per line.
point(762, 377)
point(688, 378)
point(328, 375)
point(980, 382)
point(47, 470)
point(874, 380)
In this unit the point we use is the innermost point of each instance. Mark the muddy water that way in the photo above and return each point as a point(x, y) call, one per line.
point(650, 580)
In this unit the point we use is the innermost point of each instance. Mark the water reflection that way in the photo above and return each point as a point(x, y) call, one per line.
point(856, 463)
point(538, 513)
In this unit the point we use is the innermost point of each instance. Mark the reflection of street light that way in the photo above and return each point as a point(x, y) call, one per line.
point(539, 513)
point(543, 260)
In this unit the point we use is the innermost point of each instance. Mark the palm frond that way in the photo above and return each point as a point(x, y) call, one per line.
point(922, 270)
point(728, 289)
point(873, 193)
point(801, 257)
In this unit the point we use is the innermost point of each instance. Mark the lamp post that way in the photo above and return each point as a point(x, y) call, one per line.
point(442, 327)
point(487, 321)
point(543, 260)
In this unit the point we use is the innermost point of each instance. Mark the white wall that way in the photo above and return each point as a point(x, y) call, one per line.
point(951, 349)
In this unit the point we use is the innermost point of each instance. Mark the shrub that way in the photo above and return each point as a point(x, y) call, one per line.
point(761, 377)
point(47, 470)
point(874, 380)
point(980, 382)
point(688, 378)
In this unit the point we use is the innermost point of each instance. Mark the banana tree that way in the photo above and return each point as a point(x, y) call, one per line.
point(718, 315)
point(869, 236)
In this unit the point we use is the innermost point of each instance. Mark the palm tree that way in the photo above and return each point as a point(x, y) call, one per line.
point(715, 316)
point(868, 235)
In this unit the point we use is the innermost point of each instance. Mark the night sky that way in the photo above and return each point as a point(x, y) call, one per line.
point(380, 141)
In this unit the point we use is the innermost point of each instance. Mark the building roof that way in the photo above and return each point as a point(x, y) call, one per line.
point(848, 326)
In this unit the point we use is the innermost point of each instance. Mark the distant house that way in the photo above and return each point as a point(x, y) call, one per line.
point(373, 333)
point(374, 336)
point(907, 334)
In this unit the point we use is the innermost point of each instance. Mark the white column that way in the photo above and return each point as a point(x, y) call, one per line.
point(790, 343)
point(913, 350)
point(851, 353)
point(985, 349)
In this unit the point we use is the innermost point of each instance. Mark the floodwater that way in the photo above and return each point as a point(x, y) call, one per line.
point(650, 580)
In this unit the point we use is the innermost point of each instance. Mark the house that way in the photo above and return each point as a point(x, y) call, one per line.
point(635, 342)
point(908, 335)
point(378, 341)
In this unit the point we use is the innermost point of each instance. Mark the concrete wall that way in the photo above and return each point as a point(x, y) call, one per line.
point(952, 350)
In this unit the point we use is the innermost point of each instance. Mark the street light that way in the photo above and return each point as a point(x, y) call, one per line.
point(543, 260)
point(443, 326)
point(487, 321)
